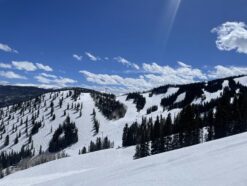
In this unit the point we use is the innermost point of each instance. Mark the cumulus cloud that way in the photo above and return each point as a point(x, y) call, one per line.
point(54, 81)
point(92, 57)
point(124, 61)
point(77, 57)
point(5, 65)
point(232, 36)
point(44, 67)
point(11, 75)
point(7, 48)
point(24, 65)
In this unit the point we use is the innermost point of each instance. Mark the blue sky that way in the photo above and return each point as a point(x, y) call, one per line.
point(121, 45)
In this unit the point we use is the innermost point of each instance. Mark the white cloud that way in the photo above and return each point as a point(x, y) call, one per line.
point(4, 82)
point(37, 85)
point(124, 61)
point(29, 66)
point(43, 79)
point(7, 48)
point(11, 75)
point(183, 74)
point(63, 82)
point(77, 57)
point(48, 75)
point(24, 65)
point(53, 80)
point(183, 64)
point(5, 65)
point(106, 79)
point(220, 71)
point(44, 67)
point(232, 36)
point(154, 75)
point(92, 57)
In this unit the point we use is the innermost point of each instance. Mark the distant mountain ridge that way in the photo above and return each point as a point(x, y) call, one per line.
point(13, 94)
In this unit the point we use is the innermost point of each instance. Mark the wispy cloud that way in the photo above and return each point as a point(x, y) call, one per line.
point(48, 75)
point(220, 71)
point(5, 65)
point(126, 62)
point(116, 80)
point(77, 57)
point(92, 57)
point(30, 66)
point(44, 67)
point(53, 80)
point(4, 82)
point(154, 75)
point(232, 36)
point(7, 48)
point(11, 75)
point(24, 65)
point(46, 86)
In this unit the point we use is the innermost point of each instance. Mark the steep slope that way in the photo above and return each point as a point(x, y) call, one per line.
point(220, 162)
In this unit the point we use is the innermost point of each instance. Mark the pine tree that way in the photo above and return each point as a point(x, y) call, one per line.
point(6, 142)
point(125, 141)
point(106, 143)
point(16, 139)
point(40, 150)
point(84, 150)
point(137, 152)
point(96, 123)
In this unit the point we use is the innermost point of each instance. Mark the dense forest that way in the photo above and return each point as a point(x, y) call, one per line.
point(108, 105)
point(194, 124)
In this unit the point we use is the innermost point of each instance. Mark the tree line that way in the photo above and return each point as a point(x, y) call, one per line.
point(191, 126)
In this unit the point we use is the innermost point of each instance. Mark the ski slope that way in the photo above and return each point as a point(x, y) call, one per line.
point(113, 129)
point(221, 162)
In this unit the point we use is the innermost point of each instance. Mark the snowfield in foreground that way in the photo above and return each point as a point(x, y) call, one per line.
point(221, 162)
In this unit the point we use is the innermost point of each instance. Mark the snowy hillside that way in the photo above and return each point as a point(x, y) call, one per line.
point(32, 125)
point(221, 162)
point(11, 117)
point(111, 128)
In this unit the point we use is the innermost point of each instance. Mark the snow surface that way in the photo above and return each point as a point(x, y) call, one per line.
point(241, 80)
point(111, 128)
point(208, 96)
point(180, 97)
point(220, 163)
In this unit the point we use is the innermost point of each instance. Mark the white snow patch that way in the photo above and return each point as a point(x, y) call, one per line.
point(211, 163)
point(180, 97)
point(241, 80)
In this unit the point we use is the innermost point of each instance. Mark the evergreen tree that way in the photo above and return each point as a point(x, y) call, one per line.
point(84, 150)
point(6, 142)
point(125, 141)
point(96, 123)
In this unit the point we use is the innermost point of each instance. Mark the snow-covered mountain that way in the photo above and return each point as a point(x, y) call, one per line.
point(32, 124)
